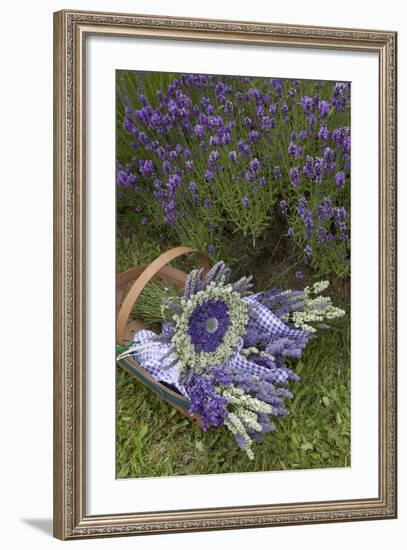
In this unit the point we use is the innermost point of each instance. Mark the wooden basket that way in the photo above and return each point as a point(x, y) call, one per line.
point(129, 286)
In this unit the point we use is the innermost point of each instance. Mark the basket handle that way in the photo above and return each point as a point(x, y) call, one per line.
point(149, 273)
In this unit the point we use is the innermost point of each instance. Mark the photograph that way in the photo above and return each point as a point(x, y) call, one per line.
point(233, 264)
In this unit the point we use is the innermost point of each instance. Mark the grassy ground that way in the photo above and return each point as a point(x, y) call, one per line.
point(153, 439)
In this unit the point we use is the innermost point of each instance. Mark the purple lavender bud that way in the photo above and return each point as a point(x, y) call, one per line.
point(228, 108)
point(189, 164)
point(254, 164)
point(243, 147)
point(292, 148)
point(283, 206)
point(146, 167)
point(295, 176)
point(277, 172)
point(323, 133)
point(214, 140)
point(253, 136)
point(211, 249)
point(213, 157)
point(306, 103)
point(245, 200)
point(262, 180)
point(309, 167)
point(209, 175)
point(329, 158)
point(199, 130)
point(207, 203)
point(340, 179)
point(233, 156)
point(325, 209)
point(299, 275)
point(321, 234)
point(323, 108)
point(249, 176)
point(290, 232)
point(192, 186)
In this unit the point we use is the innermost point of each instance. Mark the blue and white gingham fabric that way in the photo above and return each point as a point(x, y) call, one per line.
point(268, 322)
point(278, 376)
point(155, 357)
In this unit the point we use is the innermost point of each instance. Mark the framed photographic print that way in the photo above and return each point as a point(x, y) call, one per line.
point(225, 274)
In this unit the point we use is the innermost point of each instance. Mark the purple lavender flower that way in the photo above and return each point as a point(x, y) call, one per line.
point(268, 123)
point(207, 203)
point(208, 325)
point(329, 158)
point(199, 130)
point(207, 402)
point(209, 175)
point(292, 147)
point(253, 136)
point(214, 140)
point(309, 167)
point(254, 164)
point(338, 98)
point(323, 108)
point(299, 275)
point(249, 176)
point(283, 206)
point(294, 174)
point(213, 157)
point(125, 178)
point(340, 179)
point(146, 167)
point(305, 214)
point(211, 249)
point(325, 209)
point(233, 156)
point(323, 133)
point(306, 103)
point(245, 201)
point(192, 186)
point(277, 172)
point(321, 234)
point(243, 148)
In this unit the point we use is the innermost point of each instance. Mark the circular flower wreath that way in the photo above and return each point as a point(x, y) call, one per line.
point(225, 349)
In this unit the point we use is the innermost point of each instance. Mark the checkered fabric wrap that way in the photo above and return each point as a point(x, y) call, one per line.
point(154, 357)
point(279, 376)
point(266, 321)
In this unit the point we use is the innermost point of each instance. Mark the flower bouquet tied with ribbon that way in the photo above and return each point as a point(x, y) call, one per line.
point(228, 351)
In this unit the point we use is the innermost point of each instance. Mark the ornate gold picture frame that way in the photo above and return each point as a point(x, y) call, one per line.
point(71, 31)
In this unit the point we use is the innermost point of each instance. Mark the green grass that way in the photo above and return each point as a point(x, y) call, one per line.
point(153, 439)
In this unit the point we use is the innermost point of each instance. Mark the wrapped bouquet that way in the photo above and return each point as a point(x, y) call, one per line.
point(230, 351)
